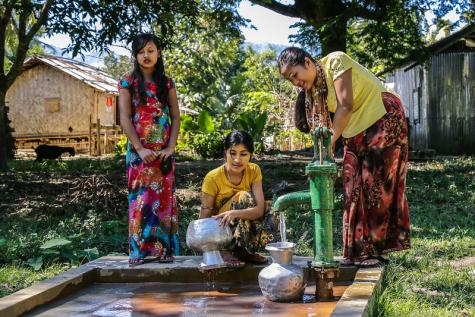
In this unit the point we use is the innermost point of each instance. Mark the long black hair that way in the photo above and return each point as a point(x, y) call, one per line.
point(236, 137)
point(293, 56)
point(300, 113)
point(158, 75)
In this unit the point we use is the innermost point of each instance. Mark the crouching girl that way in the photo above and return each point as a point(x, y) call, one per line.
point(232, 193)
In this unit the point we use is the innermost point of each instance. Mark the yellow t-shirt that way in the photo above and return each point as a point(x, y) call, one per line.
point(368, 104)
point(217, 184)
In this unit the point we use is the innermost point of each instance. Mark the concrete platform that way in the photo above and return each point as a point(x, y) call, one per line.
point(356, 300)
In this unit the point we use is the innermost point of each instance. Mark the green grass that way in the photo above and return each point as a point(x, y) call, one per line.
point(15, 277)
point(67, 166)
point(423, 281)
point(426, 280)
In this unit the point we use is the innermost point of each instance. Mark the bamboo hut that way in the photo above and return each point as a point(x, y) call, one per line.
point(61, 101)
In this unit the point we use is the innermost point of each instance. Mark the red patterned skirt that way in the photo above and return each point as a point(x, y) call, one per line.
point(376, 213)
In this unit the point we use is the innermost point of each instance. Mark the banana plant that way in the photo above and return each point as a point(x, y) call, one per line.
point(254, 125)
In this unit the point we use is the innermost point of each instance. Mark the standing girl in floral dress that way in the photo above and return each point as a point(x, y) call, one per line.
point(150, 117)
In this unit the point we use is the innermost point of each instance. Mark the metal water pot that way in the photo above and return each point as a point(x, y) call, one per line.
point(282, 281)
point(207, 236)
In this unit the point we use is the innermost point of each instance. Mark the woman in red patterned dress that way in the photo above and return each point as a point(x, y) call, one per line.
point(370, 118)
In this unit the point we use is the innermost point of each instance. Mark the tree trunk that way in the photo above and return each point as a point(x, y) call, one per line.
point(6, 140)
point(334, 38)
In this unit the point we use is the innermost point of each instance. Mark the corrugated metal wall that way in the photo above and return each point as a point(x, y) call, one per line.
point(439, 100)
point(412, 88)
point(451, 82)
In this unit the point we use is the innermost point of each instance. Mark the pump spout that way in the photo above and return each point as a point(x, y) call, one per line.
point(296, 198)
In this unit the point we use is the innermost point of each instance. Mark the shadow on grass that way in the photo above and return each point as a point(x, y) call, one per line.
point(422, 281)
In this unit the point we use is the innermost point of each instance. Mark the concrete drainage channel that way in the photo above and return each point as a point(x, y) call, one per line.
point(108, 287)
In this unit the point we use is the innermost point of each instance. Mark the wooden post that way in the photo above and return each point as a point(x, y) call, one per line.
point(98, 139)
point(105, 140)
point(115, 138)
point(90, 134)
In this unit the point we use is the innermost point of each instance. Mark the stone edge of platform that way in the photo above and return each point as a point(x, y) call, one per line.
point(359, 299)
point(46, 291)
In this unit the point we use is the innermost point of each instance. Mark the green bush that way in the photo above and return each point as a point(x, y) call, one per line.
point(254, 123)
point(121, 146)
point(208, 145)
point(201, 136)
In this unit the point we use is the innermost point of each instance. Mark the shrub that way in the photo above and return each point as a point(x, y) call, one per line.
point(121, 146)
point(208, 145)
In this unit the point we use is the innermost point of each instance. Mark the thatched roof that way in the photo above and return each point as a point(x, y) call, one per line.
point(88, 74)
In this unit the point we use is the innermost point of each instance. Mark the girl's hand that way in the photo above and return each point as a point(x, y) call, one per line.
point(226, 217)
point(164, 153)
point(148, 156)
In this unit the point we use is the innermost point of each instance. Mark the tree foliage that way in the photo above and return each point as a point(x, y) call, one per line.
point(204, 60)
point(91, 25)
point(116, 65)
point(260, 103)
point(378, 33)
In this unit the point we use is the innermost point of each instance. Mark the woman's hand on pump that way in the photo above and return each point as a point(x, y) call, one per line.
point(322, 136)
point(226, 218)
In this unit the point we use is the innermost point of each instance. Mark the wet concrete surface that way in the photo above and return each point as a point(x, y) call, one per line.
point(109, 287)
point(187, 300)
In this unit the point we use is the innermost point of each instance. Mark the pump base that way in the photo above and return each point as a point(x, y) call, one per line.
point(324, 283)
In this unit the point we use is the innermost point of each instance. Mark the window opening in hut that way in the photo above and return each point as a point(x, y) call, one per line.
point(52, 104)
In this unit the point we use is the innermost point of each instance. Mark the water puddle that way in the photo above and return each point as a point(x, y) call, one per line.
point(184, 300)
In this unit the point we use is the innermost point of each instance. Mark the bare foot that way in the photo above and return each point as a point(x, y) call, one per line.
point(372, 261)
point(347, 262)
point(246, 256)
point(230, 260)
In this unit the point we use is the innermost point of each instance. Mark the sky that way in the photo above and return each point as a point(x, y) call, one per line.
point(271, 27)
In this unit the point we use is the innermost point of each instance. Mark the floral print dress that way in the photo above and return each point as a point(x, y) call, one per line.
point(153, 214)
point(376, 212)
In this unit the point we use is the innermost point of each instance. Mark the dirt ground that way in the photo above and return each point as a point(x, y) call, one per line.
point(28, 191)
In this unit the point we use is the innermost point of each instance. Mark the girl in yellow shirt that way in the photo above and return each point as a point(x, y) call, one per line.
point(233, 194)
point(372, 122)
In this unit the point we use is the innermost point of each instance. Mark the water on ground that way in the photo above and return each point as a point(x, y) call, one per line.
point(184, 300)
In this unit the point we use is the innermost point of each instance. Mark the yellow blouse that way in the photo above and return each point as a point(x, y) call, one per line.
point(217, 184)
point(368, 104)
